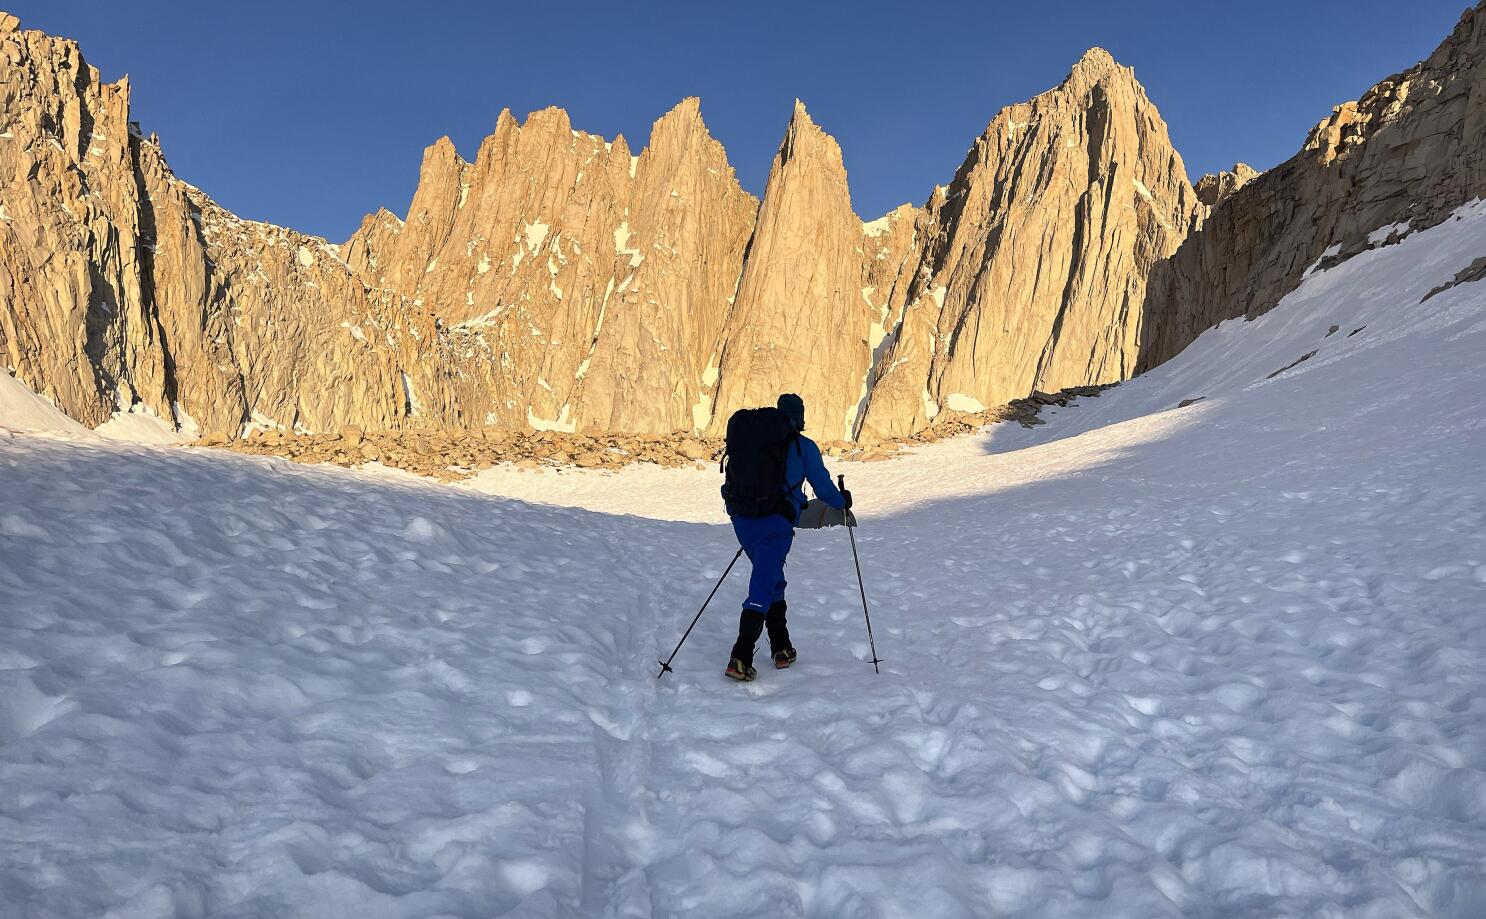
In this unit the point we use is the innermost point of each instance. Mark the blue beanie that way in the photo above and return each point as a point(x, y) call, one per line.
point(794, 409)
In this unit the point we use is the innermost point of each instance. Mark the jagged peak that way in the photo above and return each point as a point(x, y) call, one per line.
point(807, 147)
point(800, 123)
point(804, 133)
point(507, 130)
point(9, 22)
point(1096, 58)
point(682, 132)
point(690, 107)
point(442, 150)
point(553, 117)
point(1095, 68)
point(553, 121)
point(1098, 67)
point(122, 86)
point(683, 115)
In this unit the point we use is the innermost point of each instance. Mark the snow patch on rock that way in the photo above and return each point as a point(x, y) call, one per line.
point(535, 233)
point(959, 402)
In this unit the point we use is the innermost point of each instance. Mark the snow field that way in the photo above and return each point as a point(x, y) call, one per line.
point(1220, 661)
point(285, 692)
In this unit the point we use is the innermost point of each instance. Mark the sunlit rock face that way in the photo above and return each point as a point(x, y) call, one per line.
point(123, 287)
point(1401, 158)
point(1032, 262)
point(597, 282)
point(560, 281)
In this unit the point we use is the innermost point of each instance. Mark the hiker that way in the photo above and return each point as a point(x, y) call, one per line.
point(768, 460)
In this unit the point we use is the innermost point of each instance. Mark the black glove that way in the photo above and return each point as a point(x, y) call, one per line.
point(846, 499)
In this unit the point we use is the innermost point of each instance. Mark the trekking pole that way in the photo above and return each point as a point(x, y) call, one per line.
point(841, 481)
point(665, 665)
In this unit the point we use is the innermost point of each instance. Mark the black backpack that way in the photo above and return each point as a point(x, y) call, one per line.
point(753, 461)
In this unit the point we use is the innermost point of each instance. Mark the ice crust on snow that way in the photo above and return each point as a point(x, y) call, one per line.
point(1225, 660)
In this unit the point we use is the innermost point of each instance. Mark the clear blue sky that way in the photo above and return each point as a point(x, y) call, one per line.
point(311, 114)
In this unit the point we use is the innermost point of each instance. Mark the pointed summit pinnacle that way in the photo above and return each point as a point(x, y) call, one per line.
point(804, 134)
point(800, 116)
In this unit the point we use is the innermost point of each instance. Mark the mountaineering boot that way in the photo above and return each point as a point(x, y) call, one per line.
point(783, 651)
point(750, 627)
point(737, 670)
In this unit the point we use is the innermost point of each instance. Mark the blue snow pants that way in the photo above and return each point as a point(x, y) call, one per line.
point(766, 541)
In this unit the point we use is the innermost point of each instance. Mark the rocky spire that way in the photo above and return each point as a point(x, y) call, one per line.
point(1033, 260)
point(800, 323)
point(598, 281)
point(679, 252)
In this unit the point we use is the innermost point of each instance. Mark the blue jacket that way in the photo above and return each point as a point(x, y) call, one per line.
point(803, 464)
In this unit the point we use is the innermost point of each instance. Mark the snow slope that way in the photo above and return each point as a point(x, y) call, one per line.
point(24, 412)
point(143, 426)
point(1219, 661)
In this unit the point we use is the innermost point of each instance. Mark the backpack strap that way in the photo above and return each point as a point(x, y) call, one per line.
point(800, 452)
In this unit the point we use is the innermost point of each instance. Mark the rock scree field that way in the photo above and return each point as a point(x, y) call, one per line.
point(1223, 660)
